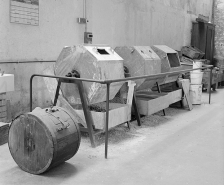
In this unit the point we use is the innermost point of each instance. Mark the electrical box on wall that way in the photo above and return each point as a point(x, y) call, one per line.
point(82, 20)
point(88, 37)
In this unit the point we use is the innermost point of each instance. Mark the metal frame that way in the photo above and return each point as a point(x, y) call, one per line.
point(108, 82)
point(87, 112)
point(88, 116)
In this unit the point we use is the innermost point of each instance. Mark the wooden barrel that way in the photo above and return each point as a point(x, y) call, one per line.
point(43, 138)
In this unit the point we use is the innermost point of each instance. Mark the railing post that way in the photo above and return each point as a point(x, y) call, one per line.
point(108, 82)
point(210, 84)
point(31, 92)
point(107, 119)
point(87, 113)
point(57, 92)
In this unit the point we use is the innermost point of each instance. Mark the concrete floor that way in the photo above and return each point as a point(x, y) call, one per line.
point(188, 148)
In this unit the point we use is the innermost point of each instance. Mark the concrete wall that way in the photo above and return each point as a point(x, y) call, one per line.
point(22, 43)
point(113, 22)
point(146, 22)
point(18, 100)
point(57, 28)
point(219, 29)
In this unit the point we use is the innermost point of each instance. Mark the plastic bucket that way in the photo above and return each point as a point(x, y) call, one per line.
point(197, 64)
point(196, 77)
point(195, 94)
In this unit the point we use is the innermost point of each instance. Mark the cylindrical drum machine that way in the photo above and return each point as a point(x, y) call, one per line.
point(170, 61)
point(140, 60)
point(91, 62)
point(43, 138)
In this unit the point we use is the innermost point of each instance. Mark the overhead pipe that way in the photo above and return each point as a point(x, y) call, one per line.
point(84, 14)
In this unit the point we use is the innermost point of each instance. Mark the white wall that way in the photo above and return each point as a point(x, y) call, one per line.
point(58, 27)
point(114, 22)
point(146, 22)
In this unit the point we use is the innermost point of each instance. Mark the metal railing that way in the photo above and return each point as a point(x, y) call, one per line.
point(108, 82)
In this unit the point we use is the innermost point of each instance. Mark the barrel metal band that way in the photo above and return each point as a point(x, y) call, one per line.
point(63, 123)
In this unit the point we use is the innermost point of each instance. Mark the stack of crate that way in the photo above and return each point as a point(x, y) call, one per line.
point(3, 111)
point(6, 85)
point(189, 54)
point(4, 127)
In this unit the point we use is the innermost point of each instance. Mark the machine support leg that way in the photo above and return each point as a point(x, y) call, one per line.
point(128, 123)
point(57, 92)
point(88, 116)
point(209, 86)
point(107, 120)
point(136, 110)
point(159, 90)
point(181, 101)
point(134, 102)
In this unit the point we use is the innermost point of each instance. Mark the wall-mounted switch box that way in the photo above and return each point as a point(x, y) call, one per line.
point(88, 37)
point(82, 20)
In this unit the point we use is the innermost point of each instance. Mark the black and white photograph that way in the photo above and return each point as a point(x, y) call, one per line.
point(111, 92)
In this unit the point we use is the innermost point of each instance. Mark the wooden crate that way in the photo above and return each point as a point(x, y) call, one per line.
point(191, 52)
point(186, 60)
point(3, 109)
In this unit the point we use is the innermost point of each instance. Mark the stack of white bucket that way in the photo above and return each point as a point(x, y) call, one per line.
point(196, 83)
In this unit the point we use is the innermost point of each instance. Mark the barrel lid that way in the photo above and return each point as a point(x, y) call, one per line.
point(31, 144)
point(147, 53)
point(103, 53)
